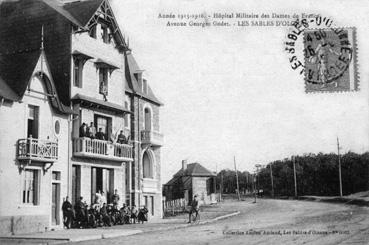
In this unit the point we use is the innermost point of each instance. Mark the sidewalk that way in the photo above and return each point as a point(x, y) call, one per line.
point(74, 235)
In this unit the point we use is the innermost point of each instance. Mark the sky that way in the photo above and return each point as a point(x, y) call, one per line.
point(230, 91)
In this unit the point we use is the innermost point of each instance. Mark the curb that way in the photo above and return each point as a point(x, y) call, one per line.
point(200, 223)
point(117, 234)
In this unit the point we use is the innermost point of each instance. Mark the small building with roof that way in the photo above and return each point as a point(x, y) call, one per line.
point(192, 179)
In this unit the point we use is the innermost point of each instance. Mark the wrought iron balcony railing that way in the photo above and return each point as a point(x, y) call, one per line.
point(37, 150)
point(93, 148)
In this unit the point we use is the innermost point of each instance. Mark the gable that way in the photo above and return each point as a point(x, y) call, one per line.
point(91, 12)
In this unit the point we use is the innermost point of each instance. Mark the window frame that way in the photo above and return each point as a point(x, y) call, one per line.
point(109, 124)
point(105, 34)
point(78, 64)
point(35, 118)
point(103, 73)
point(36, 187)
point(150, 166)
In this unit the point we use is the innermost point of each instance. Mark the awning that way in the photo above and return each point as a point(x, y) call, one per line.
point(81, 55)
point(87, 101)
point(106, 64)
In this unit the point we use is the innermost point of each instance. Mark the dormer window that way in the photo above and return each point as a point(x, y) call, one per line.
point(79, 61)
point(144, 86)
point(105, 69)
point(105, 34)
point(103, 81)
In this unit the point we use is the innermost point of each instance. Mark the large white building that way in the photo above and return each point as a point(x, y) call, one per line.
point(62, 65)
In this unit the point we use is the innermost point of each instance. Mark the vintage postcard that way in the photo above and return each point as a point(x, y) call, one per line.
point(184, 122)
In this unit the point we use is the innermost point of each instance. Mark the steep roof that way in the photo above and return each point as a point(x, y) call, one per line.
point(83, 10)
point(21, 23)
point(9, 70)
point(132, 84)
point(173, 181)
point(20, 39)
point(195, 169)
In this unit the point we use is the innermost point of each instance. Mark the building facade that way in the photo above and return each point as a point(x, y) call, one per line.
point(192, 179)
point(63, 65)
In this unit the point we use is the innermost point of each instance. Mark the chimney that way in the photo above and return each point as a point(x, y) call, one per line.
point(184, 165)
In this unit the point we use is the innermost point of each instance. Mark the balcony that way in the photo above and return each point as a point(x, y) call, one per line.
point(152, 137)
point(93, 148)
point(37, 150)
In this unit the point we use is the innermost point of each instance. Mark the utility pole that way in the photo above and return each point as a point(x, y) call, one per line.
point(294, 174)
point(271, 178)
point(247, 181)
point(221, 184)
point(238, 187)
point(256, 180)
point(339, 166)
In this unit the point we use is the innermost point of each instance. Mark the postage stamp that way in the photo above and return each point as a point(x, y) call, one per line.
point(330, 60)
point(323, 54)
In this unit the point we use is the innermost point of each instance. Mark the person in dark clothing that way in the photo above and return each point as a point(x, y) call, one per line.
point(83, 130)
point(105, 216)
point(115, 198)
point(122, 138)
point(67, 209)
point(100, 135)
point(80, 209)
point(134, 213)
point(142, 215)
point(194, 208)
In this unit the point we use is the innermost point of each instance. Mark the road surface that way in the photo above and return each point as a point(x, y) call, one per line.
point(268, 222)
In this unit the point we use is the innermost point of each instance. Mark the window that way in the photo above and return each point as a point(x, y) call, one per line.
point(103, 79)
point(144, 86)
point(105, 123)
point(147, 166)
point(57, 127)
point(145, 201)
point(30, 186)
point(32, 122)
point(92, 31)
point(147, 119)
point(56, 175)
point(78, 72)
point(105, 34)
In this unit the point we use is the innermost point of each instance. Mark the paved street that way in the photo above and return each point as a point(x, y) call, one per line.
point(288, 220)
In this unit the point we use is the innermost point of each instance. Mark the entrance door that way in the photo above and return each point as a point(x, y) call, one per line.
point(55, 204)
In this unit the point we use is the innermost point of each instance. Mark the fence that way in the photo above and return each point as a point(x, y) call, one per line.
point(174, 207)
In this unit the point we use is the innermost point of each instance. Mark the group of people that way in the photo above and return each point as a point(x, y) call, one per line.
point(100, 214)
point(90, 132)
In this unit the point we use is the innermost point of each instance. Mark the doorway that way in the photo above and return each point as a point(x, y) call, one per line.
point(55, 204)
point(102, 179)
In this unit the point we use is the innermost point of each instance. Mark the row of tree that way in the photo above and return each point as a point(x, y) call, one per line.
point(316, 174)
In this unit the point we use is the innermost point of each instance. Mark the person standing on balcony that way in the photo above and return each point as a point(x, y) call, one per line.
point(83, 130)
point(91, 131)
point(122, 138)
point(100, 135)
